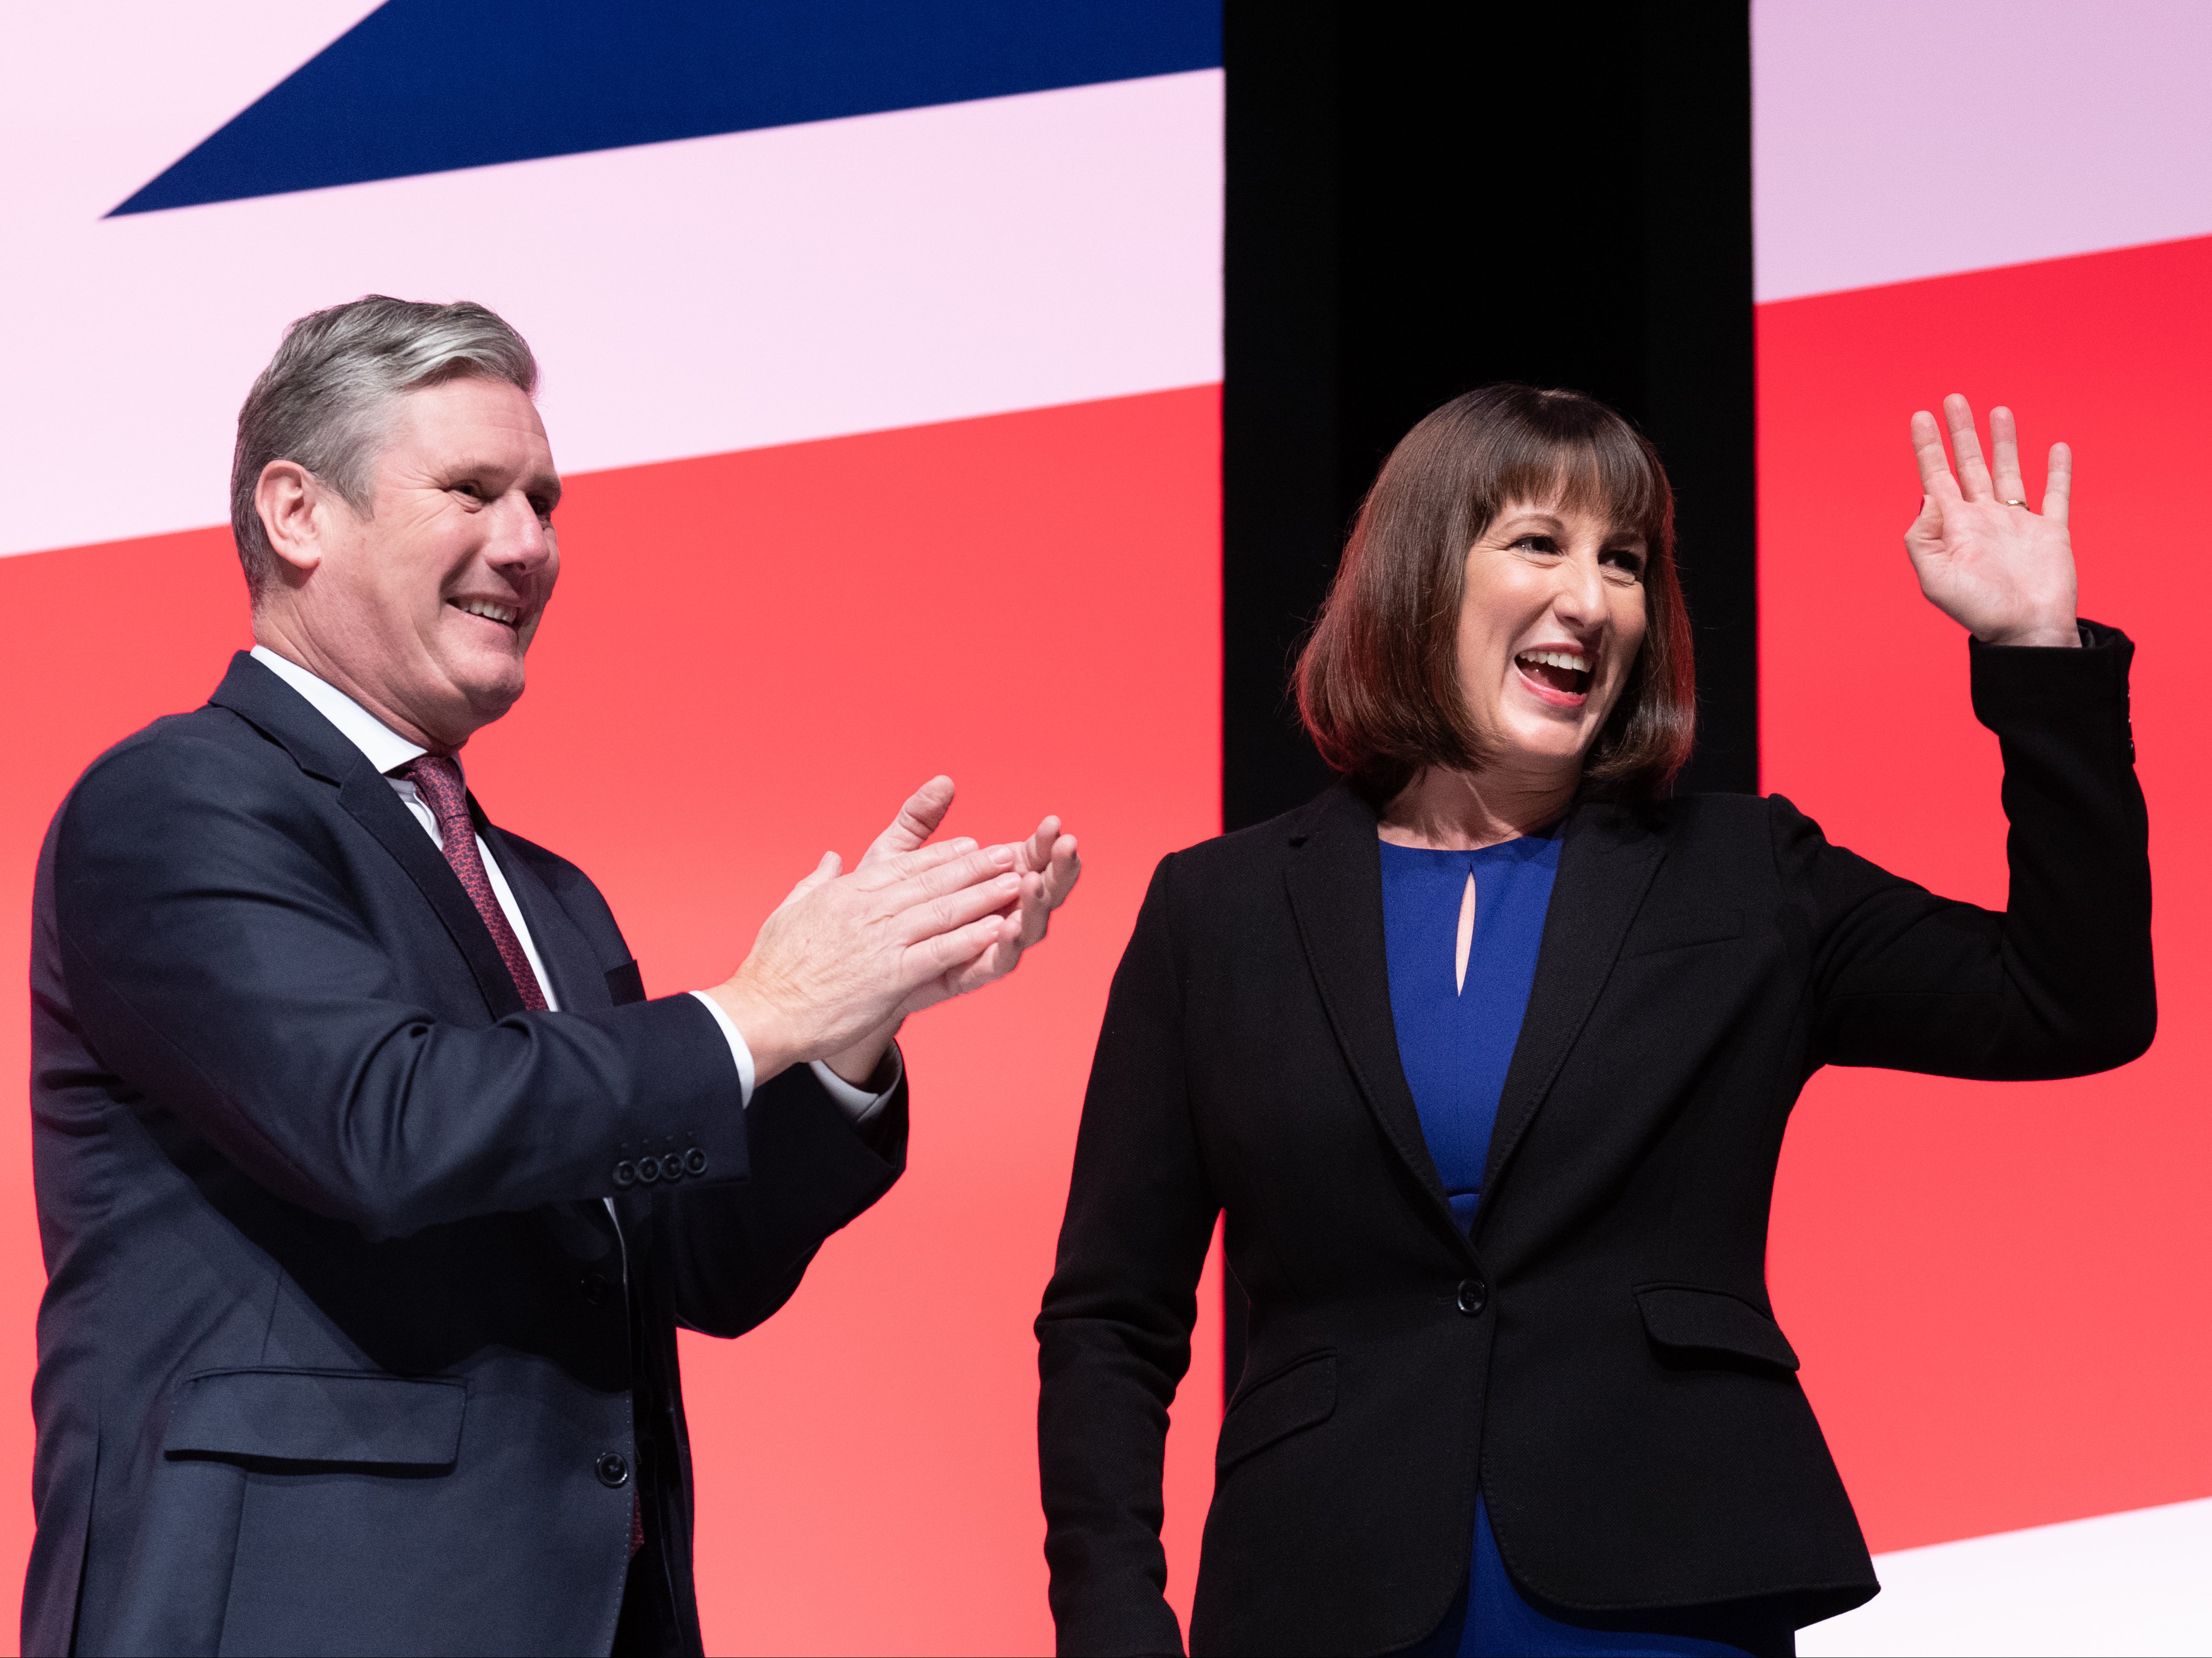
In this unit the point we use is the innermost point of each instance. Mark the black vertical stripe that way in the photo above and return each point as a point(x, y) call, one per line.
point(1425, 199)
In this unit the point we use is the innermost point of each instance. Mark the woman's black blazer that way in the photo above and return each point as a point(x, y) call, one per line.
point(1599, 1356)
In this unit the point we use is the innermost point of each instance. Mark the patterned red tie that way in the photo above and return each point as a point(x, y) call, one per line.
point(437, 778)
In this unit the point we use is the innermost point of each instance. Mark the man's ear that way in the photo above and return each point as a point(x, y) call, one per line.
point(295, 508)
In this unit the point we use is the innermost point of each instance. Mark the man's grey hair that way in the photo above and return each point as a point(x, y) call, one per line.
point(325, 399)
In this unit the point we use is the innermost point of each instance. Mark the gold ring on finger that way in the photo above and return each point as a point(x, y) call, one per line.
point(2014, 501)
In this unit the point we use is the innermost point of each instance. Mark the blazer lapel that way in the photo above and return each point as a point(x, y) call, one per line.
point(1606, 867)
point(367, 795)
point(320, 750)
point(1335, 882)
point(580, 984)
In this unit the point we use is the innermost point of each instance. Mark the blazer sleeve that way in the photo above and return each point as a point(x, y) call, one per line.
point(1114, 1336)
point(217, 962)
point(736, 1253)
point(2057, 984)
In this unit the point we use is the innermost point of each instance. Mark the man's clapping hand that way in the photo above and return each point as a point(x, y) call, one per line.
point(842, 960)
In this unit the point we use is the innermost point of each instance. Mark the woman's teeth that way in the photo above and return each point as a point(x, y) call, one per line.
point(1560, 670)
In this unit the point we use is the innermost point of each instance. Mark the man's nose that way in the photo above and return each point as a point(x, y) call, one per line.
point(521, 540)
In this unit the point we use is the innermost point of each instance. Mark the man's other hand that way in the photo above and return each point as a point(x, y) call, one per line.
point(845, 958)
point(836, 960)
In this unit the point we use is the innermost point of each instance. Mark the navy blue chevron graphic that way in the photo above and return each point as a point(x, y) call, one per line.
point(429, 86)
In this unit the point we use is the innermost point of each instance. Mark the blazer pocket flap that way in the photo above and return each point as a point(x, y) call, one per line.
point(625, 984)
point(1685, 928)
point(1277, 1407)
point(317, 1416)
point(1713, 1322)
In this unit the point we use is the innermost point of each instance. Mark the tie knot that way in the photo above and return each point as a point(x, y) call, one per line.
point(437, 778)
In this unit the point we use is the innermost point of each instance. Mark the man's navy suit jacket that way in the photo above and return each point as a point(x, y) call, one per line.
point(336, 1352)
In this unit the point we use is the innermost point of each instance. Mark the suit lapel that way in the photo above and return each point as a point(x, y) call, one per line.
point(320, 750)
point(367, 794)
point(580, 984)
point(1335, 882)
point(1606, 867)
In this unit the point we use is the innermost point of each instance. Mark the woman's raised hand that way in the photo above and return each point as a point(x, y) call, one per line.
point(2001, 572)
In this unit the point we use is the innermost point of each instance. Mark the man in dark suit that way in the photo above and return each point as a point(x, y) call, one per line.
point(372, 1187)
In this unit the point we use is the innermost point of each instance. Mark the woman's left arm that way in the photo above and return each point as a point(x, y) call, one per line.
point(2060, 982)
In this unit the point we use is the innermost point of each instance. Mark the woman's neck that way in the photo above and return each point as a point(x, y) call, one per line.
point(1445, 811)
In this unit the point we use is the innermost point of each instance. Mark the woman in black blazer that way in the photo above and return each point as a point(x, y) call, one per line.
point(1513, 1380)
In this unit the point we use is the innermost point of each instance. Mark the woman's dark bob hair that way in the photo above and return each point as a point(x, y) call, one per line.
point(1378, 680)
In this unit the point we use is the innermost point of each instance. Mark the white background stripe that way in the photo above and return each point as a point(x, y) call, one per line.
point(2133, 1582)
point(684, 299)
point(1896, 139)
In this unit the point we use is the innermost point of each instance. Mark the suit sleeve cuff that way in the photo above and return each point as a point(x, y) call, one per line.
point(740, 1053)
point(858, 1104)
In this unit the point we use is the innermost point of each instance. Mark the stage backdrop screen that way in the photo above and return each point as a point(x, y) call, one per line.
point(1999, 1291)
point(881, 346)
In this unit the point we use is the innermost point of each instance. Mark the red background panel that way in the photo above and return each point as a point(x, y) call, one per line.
point(752, 657)
point(1999, 1292)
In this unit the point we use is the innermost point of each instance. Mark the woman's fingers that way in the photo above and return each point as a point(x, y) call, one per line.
point(1926, 529)
point(1936, 477)
point(2004, 445)
point(1974, 473)
point(2058, 484)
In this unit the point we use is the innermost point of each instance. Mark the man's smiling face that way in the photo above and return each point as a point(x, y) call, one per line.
point(422, 609)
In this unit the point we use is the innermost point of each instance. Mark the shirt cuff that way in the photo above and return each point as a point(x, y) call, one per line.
point(738, 1051)
point(857, 1103)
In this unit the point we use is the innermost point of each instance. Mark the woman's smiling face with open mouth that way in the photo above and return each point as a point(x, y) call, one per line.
point(1550, 623)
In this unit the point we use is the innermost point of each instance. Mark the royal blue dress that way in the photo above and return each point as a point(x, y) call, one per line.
point(1455, 1046)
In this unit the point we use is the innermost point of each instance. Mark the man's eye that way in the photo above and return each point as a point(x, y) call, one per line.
point(474, 492)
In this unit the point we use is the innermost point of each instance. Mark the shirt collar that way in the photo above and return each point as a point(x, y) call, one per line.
point(386, 749)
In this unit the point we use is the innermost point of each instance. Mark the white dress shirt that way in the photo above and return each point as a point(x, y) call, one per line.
point(387, 750)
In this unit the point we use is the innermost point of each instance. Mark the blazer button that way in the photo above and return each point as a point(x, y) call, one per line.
point(1473, 1296)
point(649, 1169)
point(625, 1174)
point(596, 1286)
point(613, 1470)
point(695, 1162)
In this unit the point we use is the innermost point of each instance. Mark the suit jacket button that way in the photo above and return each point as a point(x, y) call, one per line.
point(596, 1286)
point(649, 1169)
point(613, 1470)
point(625, 1174)
point(695, 1162)
point(1473, 1296)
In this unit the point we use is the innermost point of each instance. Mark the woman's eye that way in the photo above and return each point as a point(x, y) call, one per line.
point(1537, 543)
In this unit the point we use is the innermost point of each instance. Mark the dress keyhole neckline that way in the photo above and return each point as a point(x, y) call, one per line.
point(1466, 942)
